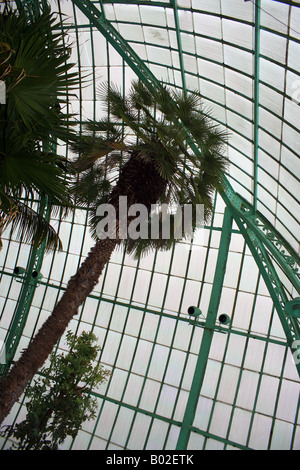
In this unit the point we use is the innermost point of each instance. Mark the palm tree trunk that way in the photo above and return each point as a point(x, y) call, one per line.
point(78, 288)
point(140, 181)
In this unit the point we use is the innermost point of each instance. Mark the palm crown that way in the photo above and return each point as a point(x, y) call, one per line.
point(142, 151)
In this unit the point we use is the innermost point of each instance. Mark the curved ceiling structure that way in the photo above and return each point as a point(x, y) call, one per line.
point(178, 383)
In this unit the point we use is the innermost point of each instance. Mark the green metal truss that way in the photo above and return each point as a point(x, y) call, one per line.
point(271, 252)
point(268, 247)
point(245, 214)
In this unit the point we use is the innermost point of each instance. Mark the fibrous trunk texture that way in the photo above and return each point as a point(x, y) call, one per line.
point(141, 183)
point(78, 288)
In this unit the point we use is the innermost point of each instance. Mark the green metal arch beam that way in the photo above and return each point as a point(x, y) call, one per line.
point(98, 20)
point(261, 230)
point(265, 233)
point(291, 326)
point(244, 214)
point(287, 260)
point(276, 245)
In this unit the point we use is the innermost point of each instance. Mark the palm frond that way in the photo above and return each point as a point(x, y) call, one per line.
point(34, 171)
point(164, 123)
point(27, 225)
point(178, 230)
point(90, 185)
point(139, 96)
point(41, 56)
point(38, 80)
point(113, 132)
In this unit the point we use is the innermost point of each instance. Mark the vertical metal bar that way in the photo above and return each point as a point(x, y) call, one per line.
point(177, 24)
point(207, 334)
point(256, 100)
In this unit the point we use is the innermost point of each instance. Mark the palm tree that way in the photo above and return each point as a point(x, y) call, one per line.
point(158, 167)
point(33, 65)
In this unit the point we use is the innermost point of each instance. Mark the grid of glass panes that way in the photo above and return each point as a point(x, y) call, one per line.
point(138, 310)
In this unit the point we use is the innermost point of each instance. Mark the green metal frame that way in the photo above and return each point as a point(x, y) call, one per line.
point(256, 100)
point(242, 210)
point(175, 9)
point(291, 326)
point(35, 259)
point(271, 252)
point(29, 284)
point(207, 337)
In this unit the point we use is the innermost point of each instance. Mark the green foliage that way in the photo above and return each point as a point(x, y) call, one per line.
point(34, 67)
point(164, 123)
point(36, 75)
point(59, 401)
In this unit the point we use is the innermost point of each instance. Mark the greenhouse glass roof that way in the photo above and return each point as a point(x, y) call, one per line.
point(176, 382)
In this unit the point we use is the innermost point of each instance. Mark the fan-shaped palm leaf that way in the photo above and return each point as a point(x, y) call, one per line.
point(34, 65)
